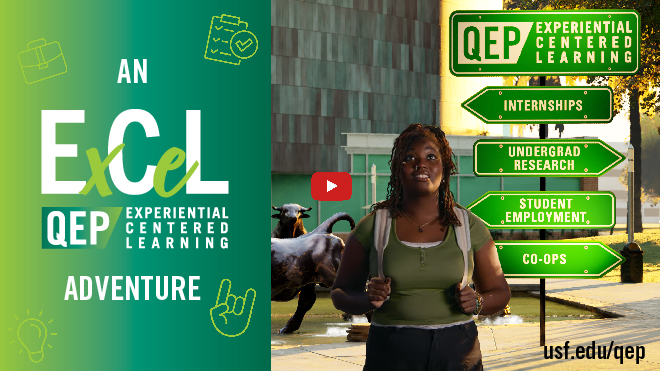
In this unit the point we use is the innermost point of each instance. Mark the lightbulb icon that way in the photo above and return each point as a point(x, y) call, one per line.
point(32, 335)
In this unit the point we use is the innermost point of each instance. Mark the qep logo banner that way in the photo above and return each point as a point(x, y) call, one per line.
point(585, 42)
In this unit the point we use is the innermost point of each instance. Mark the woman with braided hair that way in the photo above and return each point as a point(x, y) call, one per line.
point(423, 314)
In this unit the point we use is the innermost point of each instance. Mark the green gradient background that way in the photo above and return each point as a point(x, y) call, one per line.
point(235, 118)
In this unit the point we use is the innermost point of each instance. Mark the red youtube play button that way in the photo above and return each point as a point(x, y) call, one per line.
point(331, 186)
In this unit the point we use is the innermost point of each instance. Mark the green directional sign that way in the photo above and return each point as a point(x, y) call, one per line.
point(541, 210)
point(544, 157)
point(568, 105)
point(554, 259)
point(580, 42)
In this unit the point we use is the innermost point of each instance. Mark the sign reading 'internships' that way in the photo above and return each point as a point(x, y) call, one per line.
point(584, 42)
point(544, 157)
point(536, 210)
point(578, 105)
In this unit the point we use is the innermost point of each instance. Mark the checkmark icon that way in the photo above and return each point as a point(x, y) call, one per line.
point(242, 45)
point(229, 41)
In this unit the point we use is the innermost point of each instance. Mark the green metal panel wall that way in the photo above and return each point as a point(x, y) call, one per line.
point(473, 188)
point(359, 164)
point(465, 165)
point(453, 186)
point(381, 162)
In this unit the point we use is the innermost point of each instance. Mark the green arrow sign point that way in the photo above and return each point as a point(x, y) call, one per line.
point(556, 259)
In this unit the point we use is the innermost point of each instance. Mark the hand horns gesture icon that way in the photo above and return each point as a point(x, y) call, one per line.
point(231, 314)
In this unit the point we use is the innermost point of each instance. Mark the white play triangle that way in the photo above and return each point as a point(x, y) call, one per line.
point(330, 186)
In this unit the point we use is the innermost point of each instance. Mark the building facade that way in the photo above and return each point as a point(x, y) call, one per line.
point(339, 66)
point(347, 76)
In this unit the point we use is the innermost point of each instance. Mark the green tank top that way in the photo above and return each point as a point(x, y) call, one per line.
point(423, 279)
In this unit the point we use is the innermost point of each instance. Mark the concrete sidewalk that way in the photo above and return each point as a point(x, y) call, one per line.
point(516, 347)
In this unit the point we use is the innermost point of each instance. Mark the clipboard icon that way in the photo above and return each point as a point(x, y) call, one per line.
point(221, 35)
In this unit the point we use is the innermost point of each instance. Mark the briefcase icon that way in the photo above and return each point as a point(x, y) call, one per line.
point(42, 61)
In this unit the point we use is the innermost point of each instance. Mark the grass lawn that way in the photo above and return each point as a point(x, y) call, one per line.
point(649, 242)
point(322, 307)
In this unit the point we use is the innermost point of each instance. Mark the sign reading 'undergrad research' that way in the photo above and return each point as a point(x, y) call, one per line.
point(544, 157)
point(584, 42)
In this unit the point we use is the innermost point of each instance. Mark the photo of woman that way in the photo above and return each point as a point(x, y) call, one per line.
point(423, 307)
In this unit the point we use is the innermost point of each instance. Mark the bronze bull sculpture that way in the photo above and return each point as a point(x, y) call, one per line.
point(298, 264)
point(289, 221)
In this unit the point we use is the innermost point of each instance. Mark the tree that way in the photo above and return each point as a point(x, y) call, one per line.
point(650, 156)
point(642, 89)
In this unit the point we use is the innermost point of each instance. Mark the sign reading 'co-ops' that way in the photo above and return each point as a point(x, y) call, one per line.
point(584, 42)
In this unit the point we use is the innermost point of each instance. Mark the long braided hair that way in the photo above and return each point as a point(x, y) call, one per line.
point(394, 199)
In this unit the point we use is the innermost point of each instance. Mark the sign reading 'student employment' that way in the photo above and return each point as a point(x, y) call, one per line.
point(535, 210)
point(584, 42)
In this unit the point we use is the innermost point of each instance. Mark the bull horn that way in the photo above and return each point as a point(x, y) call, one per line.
point(305, 209)
point(277, 208)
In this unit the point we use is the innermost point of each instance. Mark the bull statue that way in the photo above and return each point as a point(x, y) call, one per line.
point(298, 264)
point(290, 224)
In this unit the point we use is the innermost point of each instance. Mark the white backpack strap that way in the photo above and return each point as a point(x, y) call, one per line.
point(382, 226)
point(463, 240)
